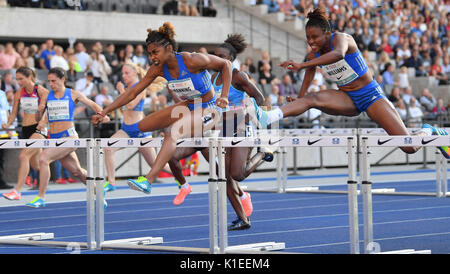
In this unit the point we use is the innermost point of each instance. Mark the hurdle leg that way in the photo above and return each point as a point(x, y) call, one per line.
point(284, 165)
point(90, 207)
point(99, 211)
point(366, 189)
point(353, 197)
point(279, 171)
point(444, 176)
point(222, 198)
point(212, 198)
point(438, 173)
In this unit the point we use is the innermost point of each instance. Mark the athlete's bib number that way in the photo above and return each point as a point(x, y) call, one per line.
point(29, 104)
point(340, 72)
point(58, 110)
point(184, 88)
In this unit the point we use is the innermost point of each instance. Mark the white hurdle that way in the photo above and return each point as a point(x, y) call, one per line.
point(43, 238)
point(348, 142)
point(218, 234)
point(281, 155)
point(440, 163)
point(366, 186)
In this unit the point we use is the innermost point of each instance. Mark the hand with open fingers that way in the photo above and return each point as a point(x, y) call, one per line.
point(291, 65)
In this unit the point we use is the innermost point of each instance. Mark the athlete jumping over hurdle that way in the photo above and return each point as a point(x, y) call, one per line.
point(339, 56)
point(238, 166)
point(188, 76)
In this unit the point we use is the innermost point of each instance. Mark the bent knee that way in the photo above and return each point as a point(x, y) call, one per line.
point(238, 174)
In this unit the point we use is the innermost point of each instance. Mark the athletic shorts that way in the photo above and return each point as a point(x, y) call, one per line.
point(66, 133)
point(134, 132)
point(208, 117)
point(27, 131)
point(209, 104)
point(365, 97)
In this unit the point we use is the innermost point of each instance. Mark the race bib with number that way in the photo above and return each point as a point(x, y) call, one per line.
point(184, 88)
point(58, 110)
point(29, 104)
point(340, 72)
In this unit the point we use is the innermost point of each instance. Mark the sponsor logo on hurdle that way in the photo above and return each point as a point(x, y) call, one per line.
point(383, 142)
point(428, 141)
point(233, 143)
point(112, 143)
point(144, 143)
point(29, 144)
point(58, 144)
point(272, 143)
point(180, 142)
point(310, 143)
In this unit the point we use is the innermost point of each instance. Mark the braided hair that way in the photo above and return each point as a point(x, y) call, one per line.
point(163, 36)
point(318, 18)
point(235, 44)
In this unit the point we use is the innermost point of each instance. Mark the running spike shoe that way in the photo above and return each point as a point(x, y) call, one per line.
point(141, 184)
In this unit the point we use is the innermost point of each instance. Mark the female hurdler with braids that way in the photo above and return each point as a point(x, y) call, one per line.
point(236, 166)
point(188, 77)
point(339, 56)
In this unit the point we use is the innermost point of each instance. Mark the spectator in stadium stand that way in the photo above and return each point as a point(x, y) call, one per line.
point(415, 61)
point(187, 8)
point(273, 5)
point(436, 71)
point(265, 58)
point(103, 99)
point(266, 76)
point(113, 61)
point(82, 57)
point(99, 66)
point(8, 57)
point(440, 108)
point(8, 83)
point(44, 61)
point(170, 7)
point(58, 59)
point(140, 58)
point(285, 86)
point(206, 8)
point(427, 100)
point(395, 96)
point(86, 85)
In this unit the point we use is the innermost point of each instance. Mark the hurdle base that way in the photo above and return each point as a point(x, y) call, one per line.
point(39, 236)
point(405, 251)
point(135, 241)
point(256, 247)
point(375, 191)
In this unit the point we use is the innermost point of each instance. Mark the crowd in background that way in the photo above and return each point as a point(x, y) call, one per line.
point(173, 7)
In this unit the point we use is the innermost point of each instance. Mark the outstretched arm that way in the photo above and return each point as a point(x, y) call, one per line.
point(78, 96)
point(130, 94)
point(340, 47)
